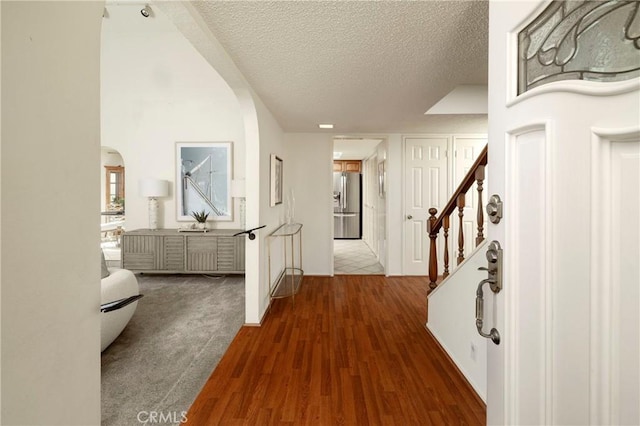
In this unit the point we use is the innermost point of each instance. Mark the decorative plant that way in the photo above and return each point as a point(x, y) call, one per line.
point(200, 217)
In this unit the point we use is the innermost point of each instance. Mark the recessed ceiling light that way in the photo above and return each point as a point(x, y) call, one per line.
point(325, 126)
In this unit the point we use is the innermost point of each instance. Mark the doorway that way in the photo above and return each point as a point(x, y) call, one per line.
point(112, 204)
point(356, 207)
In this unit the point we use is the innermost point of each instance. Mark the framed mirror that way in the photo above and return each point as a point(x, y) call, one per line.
point(203, 180)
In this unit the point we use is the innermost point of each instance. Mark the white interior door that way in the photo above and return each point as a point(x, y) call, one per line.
point(565, 158)
point(425, 183)
point(466, 151)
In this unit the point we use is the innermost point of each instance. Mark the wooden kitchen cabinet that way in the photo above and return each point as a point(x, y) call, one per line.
point(347, 166)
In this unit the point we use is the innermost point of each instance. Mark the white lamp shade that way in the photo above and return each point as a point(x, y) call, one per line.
point(153, 188)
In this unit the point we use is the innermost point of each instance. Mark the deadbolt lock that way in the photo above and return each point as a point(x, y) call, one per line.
point(494, 208)
point(494, 263)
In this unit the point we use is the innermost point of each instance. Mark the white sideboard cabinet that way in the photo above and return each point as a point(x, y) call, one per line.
point(172, 252)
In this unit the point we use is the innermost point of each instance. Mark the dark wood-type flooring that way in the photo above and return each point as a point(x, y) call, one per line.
point(352, 350)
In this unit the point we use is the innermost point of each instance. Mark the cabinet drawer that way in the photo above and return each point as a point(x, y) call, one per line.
point(139, 252)
point(174, 253)
point(202, 254)
point(140, 261)
point(228, 254)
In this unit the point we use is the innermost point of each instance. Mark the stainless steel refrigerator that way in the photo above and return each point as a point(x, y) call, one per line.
point(346, 205)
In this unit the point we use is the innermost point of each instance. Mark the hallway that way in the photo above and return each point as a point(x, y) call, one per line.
point(354, 257)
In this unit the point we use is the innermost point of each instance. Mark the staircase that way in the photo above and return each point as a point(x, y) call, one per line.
point(452, 298)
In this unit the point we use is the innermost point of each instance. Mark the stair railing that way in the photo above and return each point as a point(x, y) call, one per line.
point(457, 201)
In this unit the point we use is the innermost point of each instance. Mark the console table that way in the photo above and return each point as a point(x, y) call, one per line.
point(289, 279)
point(172, 252)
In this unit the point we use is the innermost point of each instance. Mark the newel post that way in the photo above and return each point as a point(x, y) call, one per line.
point(433, 253)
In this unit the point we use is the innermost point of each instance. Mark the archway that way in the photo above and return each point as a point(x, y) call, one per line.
point(112, 203)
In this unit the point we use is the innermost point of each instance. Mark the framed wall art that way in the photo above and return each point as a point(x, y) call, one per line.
point(276, 180)
point(203, 180)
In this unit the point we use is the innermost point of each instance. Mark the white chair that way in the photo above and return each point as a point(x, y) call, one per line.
point(120, 293)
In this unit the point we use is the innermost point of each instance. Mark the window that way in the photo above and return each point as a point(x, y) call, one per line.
point(580, 40)
point(114, 194)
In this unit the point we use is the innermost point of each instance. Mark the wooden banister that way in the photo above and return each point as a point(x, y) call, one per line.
point(457, 200)
point(464, 186)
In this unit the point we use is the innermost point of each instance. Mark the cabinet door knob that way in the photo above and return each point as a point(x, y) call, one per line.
point(409, 217)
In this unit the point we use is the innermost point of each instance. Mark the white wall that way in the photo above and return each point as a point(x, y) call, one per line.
point(0, 214)
point(394, 207)
point(271, 142)
point(381, 209)
point(50, 244)
point(158, 90)
point(312, 155)
point(451, 320)
point(308, 161)
point(370, 202)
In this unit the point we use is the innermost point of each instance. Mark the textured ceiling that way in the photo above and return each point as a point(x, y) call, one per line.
point(366, 66)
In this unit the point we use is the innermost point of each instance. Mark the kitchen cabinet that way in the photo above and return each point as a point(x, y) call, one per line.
point(347, 166)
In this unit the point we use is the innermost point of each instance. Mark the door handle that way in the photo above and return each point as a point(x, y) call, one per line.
point(346, 193)
point(494, 335)
point(409, 217)
point(494, 270)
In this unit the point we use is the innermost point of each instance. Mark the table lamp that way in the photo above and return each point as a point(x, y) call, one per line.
point(153, 189)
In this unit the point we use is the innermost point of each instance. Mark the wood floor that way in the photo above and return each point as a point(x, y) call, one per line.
point(353, 350)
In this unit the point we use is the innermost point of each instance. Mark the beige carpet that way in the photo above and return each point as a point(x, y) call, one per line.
point(180, 330)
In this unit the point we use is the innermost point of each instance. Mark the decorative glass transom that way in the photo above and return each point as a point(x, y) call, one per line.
point(580, 40)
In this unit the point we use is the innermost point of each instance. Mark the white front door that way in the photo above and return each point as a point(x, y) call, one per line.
point(426, 175)
point(565, 159)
